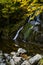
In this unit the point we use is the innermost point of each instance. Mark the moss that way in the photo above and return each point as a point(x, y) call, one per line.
point(40, 62)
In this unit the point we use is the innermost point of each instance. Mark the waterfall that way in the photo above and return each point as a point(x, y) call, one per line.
point(33, 23)
point(17, 33)
point(36, 21)
point(38, 18)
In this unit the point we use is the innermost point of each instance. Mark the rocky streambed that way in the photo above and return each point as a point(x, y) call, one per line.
point(20, 58)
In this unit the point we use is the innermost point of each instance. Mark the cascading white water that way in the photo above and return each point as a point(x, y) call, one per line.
point(17, 33)
point(37, 21)
point(34, 22)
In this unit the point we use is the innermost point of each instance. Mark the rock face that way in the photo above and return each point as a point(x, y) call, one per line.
point(14, 58)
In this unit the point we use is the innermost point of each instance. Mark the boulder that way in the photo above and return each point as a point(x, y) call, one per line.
point(18, 60)
point(26, 63)
point(35, 59)
point(13, 54)
point(20, 50)
point(7, 56)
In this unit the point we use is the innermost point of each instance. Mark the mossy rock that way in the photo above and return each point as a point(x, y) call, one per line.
point(40, 62)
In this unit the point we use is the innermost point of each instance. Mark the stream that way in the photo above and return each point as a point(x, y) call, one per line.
point(22, 40)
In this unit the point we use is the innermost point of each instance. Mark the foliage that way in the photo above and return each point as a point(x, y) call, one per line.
point(40, 62)
point(13, 14)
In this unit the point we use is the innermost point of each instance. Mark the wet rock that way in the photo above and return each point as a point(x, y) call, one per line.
point(20, 50)
point(35, 59)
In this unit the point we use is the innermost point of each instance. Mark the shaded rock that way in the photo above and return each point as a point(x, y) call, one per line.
point(1, 53)
point(1, 56)
point(39, 38)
